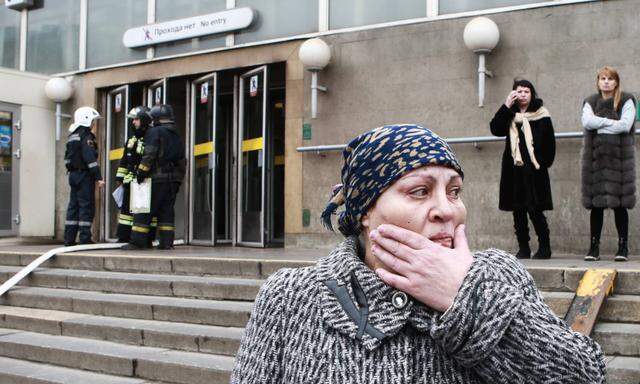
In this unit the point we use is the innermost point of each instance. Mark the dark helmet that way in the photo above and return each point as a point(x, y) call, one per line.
point(140, 112)
point(162, 113)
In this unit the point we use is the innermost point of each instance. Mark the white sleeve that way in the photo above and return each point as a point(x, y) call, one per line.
point(590, 121)
point(628, 116)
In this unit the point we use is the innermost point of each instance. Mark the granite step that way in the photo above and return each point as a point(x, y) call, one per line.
point(217, 288)
point(116, 359)
point(623, 370)
point(616, 308)
point(618, 339)
point(151, 333)
point(13, 371)
point(209, 312)
point(160, 264)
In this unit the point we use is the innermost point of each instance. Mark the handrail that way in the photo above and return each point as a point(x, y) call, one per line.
point(454, 140)
point(15, 279)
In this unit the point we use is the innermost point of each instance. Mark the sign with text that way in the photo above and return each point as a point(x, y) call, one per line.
point(204, 92)
point(118, 102)
point(219, 22)
point(157, 96)
point(253, 86)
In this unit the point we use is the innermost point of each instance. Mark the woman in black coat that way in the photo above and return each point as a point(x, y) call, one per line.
point(530, 148)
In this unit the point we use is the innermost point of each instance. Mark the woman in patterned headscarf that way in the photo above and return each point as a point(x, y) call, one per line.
point(402, 299)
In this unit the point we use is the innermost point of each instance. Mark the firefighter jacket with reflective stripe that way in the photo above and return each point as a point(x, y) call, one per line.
point(130, 160)
point(163, 158)
point(81, 152)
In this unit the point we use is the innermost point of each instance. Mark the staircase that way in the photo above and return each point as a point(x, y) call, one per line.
point(119, 319)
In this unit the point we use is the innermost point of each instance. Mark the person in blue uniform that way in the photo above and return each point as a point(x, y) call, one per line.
point(163, 160)
point(81, 161)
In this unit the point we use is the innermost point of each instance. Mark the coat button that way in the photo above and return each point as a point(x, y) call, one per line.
point(399, 299)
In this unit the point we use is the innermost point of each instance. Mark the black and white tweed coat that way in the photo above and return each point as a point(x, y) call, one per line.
point(497, 331)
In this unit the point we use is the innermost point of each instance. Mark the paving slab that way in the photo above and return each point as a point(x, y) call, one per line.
point(623, 370)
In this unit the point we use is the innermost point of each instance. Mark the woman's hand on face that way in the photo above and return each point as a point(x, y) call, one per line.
point(511, 98)
point(420, 267)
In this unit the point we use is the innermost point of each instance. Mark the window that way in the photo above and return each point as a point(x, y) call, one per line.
point(52, 36)
point(455, 6)
point(355, 13)
point(9, 37)
point(178, 9)
point(107, 20)
point(279, 18)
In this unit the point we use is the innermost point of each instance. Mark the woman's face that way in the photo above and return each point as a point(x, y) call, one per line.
point(524, 96)
point(425, 200)
point(607, 83)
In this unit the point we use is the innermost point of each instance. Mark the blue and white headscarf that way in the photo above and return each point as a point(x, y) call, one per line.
point(375, 160)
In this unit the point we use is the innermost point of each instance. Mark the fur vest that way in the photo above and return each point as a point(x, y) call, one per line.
point(608, 161)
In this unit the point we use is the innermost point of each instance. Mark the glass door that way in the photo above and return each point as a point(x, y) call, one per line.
point(157, 93)
point(117, 131)
point(203, 160)
point(9, 156)
point(252, 158)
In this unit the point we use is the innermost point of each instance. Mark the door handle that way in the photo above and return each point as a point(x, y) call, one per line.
point(17, 153)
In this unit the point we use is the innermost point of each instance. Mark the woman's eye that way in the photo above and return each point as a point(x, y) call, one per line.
point(419, 192)
point(455, 192)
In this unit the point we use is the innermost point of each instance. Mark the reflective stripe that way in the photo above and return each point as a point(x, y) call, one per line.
point(84, 223)
point(143, 167)
point(67, 161)
point(137, 228)
point(92, 165)
point(74, 138)
point(71, 222)
point(166, 228)
point(125, 222)
point(126, 217)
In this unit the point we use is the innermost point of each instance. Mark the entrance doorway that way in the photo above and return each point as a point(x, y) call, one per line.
point(232, 123)
point(9, 159)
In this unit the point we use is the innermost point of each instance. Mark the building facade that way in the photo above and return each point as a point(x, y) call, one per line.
point(243, 104)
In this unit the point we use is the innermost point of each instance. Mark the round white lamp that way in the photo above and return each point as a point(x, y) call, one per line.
point(58, 90)
point(315, 54)
point(481, 35)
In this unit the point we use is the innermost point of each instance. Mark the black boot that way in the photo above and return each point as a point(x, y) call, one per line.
point(594, 250)
point(131, 247)
point(623, 250)
point(524, 252)
point(544, 250)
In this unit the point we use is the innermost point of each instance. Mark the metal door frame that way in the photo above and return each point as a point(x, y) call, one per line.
point(107, 166)
point(192, 134)
point(150, 95)
point(15, 167)
point(265, 88)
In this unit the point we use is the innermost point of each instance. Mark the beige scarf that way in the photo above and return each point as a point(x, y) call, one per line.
point(524, 118)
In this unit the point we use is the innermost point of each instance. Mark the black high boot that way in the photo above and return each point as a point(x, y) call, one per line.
point(524, 252)
point(594, 250)
point(623, 250)
point(544, 249)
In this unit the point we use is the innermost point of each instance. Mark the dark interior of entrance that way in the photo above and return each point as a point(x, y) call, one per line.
point(234, 138)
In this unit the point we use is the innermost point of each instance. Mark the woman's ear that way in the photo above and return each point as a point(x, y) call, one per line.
point(364, 222)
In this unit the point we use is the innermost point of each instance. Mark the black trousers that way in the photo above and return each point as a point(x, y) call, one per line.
point(622, 222)
point(125, 219)
point(163, 199)
point(521, 225)
point(81, 207)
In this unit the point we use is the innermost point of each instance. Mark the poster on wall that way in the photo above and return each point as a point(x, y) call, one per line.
point(118, 102)
point(253, 86)
point(157, 96)
point(204, 93)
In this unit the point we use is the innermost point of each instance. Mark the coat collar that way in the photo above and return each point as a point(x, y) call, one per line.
point(336, 275)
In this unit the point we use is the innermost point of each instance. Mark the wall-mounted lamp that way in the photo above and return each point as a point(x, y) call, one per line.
point(481, 35)
point(58, 90)
point(315, 55)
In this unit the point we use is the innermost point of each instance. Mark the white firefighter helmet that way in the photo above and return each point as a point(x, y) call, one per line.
point(83, 117)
